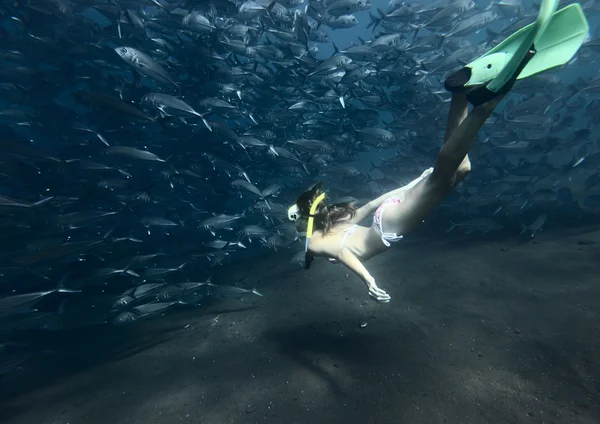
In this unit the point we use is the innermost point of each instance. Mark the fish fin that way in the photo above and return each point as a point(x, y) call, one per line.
point(452, 227)
point(43, 201)
point(575, 91)
point(61, 288)
point(373, 166)
point(416, 28)
point(375, 21)
point(490, 36)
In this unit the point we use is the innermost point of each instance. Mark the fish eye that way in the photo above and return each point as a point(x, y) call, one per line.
point(124, 49)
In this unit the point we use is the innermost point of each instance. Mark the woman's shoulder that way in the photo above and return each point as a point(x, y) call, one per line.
point(334, 231)
point(323, 243)
point(331, 240)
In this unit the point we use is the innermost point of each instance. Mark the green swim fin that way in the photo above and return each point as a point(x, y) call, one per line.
point(551, 41)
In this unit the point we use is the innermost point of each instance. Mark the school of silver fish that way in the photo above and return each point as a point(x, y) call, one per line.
point(144, 143)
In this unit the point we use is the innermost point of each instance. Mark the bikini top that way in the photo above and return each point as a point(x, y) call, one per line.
point(347, 232)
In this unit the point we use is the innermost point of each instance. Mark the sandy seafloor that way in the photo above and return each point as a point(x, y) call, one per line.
point(480, 329)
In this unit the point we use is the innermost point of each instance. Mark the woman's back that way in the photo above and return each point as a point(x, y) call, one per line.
point(362, 241)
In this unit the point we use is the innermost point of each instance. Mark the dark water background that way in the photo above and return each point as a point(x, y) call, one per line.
point(491, 326)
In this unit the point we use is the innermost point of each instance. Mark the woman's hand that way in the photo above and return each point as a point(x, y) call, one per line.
point(375, 292)
point(351, 261)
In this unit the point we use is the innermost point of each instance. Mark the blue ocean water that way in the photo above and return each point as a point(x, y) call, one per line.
point(149, 270)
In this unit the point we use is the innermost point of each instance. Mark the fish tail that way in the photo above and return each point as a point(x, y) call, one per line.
point(375, 21)
point(108, 233)
point(574, 91)
point(523, 229)
point(270, 6)
point(256, 292)
point(453, 225)
point(61, 287)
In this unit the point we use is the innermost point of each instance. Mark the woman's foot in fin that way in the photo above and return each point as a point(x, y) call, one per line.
point(482, 94)
point(455, 82)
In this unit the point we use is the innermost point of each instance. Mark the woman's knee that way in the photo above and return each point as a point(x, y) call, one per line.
point(462, 171)
point(465, 165)
point(439, 184)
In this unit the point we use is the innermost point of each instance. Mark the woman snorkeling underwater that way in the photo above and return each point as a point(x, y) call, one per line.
point(332, 230)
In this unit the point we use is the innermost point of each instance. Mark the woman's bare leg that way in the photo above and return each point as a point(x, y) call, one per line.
point(459, 139)
point(451, 165)
point(459, 109)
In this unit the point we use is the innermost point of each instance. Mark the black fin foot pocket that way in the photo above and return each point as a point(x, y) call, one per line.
point(481, 95)
point(455, 82)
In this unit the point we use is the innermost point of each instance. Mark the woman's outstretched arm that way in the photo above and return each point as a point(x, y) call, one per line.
point(351, 261)
point(322, 247)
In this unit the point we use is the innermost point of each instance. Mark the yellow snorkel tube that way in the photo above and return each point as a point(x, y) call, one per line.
point(311, 218)
point(293, 215)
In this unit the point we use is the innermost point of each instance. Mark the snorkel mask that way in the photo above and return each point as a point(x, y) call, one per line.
point(294, 214)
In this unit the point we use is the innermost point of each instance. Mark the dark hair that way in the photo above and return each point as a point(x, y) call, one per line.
point(326, 216)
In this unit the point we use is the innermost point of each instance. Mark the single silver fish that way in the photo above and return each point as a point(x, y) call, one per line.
point(145, 65)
